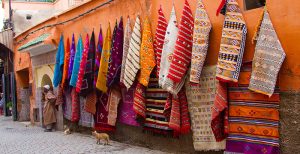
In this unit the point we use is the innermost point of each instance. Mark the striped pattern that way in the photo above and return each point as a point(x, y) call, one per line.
point(268, 58)
point(127, 36)
point(101, 80)
point(132, 64)
point(147, 56)
point(183, 48)
point(201, 40)
point(232, 43)
point(173, 87)
point(83, 62)
point(168, 48)
point(160, 37)
point(139, 102)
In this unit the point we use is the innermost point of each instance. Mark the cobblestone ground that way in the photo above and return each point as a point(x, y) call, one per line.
point(16, 138)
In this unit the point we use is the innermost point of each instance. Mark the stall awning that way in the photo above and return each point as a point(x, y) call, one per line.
point(38, 45)
point(6, 38)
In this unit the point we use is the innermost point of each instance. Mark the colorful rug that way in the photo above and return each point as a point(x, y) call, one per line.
point(253, 121)
point(126, 114)
point(67, 105)
point(201, 99)
point(86, 119)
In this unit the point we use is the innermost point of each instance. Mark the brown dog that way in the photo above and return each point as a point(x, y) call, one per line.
point(101, 136)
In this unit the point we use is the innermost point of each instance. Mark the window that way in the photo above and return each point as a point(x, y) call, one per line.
point(253, 4)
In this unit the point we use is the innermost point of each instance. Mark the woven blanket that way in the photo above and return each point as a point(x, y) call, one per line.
point(183, 49)
point(86, 119)
point(201, 100)
point(159, 38)
point(91, 101)
point(75, 116)
point(126, 114)
point(202, 27)
point(155, 102)
point(268, 59)
point(75, 69)
point(98, 56)
point(59, 62)
point(232, 43)
point(82, 64)
point(65, 78)
point(72, 57)
point(127, 37)
point(253, 121)
point(113, 101)
point(67, 105)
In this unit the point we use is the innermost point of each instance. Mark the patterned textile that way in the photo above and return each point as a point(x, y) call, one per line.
point(67, 105)
point(219, 122)
point(179, 118)
point(202, 29)
point(101, 80)
point(183, 49)
point(253, 121)
point(86, 119)
point(156, 98)
point(66, 65)
point(72, 57)
point(60, 96)
point(114, 69)
point(268, 58)
point(232, 44)
point(98, 56)
point(90, 104)
point(201, 99)
point(88, 79)
point(168, 48)
point(127, 36)
point(159, 37)
point(147, 55)
point(75, 116)
point(82, 65)
point(76, 64)
point(173, 87)
point(58, 70)
point(102, 112)
point(139, 101)
point(132, 64)
point(126, 114)
point(114, 100)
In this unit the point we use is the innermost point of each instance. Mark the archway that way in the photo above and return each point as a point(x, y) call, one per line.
point(46, 80)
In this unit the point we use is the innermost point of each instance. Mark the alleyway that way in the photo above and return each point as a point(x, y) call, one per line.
point(16, 138)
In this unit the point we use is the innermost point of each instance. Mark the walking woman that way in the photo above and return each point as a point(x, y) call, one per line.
point(49, 108)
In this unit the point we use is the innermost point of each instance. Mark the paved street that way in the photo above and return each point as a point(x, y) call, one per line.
point(15, 138)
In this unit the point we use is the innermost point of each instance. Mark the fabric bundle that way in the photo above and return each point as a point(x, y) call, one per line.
point(147, 56)
point(116, 56)
point(202, 29)
point(268, 58)
point(98, 56)
point(127, 37)
point(183, 49)
point(132, 64)
point(179, 117)
point(72, 57)
point(82, 64)
point(126, 114)
point(101, 80)
point(232, 44)
point(156, 99)
point(253, 120)
point(66, 65)
point(201, 99)
point(219, 122)
point(76, 64)
point(88, 78)
point(159, 38)
point(59, 62)
point(86, 119)
point(168, 48)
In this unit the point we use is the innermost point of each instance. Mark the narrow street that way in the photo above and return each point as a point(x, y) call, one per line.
point(16, 138)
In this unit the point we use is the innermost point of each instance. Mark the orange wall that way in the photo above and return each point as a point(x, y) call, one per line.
point(285, 16)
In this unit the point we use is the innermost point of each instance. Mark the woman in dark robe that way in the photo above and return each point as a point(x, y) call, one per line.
point(49, 108)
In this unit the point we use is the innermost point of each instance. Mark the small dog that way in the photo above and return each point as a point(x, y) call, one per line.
point(67, 130)
point(102, 136)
